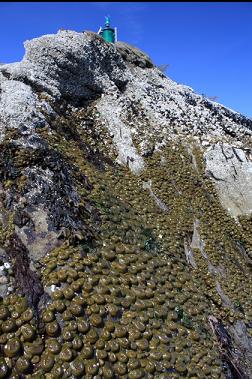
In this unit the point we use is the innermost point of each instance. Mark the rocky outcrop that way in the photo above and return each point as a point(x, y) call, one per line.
point(133, 55)
point(231, 169)
point(69, 64)
point(125, 219)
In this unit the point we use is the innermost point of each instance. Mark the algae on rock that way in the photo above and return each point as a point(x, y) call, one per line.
point(121, 253)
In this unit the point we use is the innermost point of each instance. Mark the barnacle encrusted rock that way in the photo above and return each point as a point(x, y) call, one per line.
point(125, 219)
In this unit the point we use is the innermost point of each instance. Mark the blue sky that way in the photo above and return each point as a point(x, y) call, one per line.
point(206, 44)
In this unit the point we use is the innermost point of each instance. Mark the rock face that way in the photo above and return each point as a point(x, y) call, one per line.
point(231, 169)
point(125, 219)
point(133, 55)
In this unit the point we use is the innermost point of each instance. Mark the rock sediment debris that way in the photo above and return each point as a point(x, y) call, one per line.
point(125, 219)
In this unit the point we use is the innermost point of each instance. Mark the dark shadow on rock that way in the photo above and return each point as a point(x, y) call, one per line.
point(26, 280)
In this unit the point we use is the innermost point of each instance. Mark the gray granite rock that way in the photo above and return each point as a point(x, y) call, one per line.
point(231, 170)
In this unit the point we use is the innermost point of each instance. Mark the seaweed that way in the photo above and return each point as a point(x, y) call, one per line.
point(185, 319)
point(26, 280)
point(150, 242)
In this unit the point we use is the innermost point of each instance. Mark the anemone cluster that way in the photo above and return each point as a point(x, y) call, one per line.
point(116, 312)
point(129, 304)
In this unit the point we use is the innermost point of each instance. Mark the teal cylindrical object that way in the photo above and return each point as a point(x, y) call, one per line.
point(107, 21)
point(108, 34)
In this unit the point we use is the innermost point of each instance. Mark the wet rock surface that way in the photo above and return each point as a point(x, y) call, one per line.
point(120, 256)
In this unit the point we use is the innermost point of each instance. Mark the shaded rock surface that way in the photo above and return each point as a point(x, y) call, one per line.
point(125, 219)
point(133, 55)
